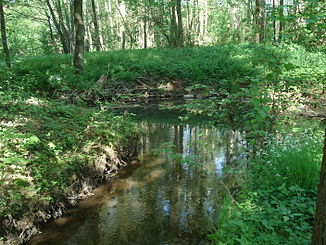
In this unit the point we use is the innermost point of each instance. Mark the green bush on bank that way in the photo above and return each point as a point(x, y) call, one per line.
point(45, 145)
point(276, 204)
point(223, 66)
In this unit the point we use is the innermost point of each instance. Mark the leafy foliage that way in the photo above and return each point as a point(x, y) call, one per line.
point(276, 204)
point(227, 67)
point(43, 146)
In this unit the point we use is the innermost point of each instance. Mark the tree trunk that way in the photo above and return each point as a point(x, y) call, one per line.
point(88, 36)
point(179, 24)
point(78, 56)
point(145, 32)
point(4, 36)
point(145, 25)
point(260, 21)
point(62, 25)
point(176, 27)
point(280, 30)
point(319, 232)
point(53, 42)
point(274, 22)
point(123, 40)
point(173, 26)
point(96, 27)
point(65, 46)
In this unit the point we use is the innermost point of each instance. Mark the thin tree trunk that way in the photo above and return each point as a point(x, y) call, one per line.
point(72, 23)
point(123, 41)
point(274, 21)
point(78, 56)
point(257, 16)
point(88, 36)
point(145, 25)
point(65, 47)
point(69, 22)
point(173, 26)
point(319, 231)
point(260, 21)
point(62, 25)
point(96, 27)
point(54, 45)
point(125, 28)
point(179, 25)
point(4, 36)
point(280, 31)
point(145, 32)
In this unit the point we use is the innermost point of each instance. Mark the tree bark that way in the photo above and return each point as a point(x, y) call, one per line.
point(319, 231)
point(274, 22)
point(123, 40)
point(173, 26)
point(260, 21)
point(145, 25)
point(280, 30)
point(96, 27)
point(78, 56)
point(53, 42)
point(4, 36)
point(65, 46)
point(179, 24)
point(62, 25)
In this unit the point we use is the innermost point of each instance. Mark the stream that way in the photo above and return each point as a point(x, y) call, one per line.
point(169, 195)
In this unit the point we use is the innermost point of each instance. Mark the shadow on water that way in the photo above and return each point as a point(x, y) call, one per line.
point(159, 199)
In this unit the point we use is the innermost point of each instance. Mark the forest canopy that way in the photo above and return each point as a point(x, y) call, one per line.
point(37, 27)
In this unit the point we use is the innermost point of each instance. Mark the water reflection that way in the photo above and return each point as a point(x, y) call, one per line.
point(166, 200)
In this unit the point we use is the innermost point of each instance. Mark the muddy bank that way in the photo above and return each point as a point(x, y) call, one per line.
point(107, 164)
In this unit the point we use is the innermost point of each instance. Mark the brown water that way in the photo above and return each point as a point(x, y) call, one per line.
point(169, 198)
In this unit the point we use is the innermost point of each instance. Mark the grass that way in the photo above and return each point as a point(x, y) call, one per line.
point(276, 204)
point(223, 67)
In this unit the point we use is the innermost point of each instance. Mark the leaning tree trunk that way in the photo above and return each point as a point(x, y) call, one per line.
point(4, 36)
point(65, 46)
point(319, 232)
point(78, 56)
point(62, 25)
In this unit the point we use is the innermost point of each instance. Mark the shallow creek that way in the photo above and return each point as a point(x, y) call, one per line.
point(169, 196)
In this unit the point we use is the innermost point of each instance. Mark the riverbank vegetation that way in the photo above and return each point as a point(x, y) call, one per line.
point(277, 198)
point(248, 64)
point(227, 69)
point(49, 152)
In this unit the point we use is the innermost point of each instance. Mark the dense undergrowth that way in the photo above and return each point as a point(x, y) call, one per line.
point(45, 145)
point(277, 200)
point(227, 67)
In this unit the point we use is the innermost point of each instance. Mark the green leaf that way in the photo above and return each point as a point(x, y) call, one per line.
point(33, 140)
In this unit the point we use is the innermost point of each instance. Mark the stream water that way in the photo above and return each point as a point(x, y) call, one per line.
point(169, 196)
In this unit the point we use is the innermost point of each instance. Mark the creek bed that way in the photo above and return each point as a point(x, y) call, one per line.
point(169, 195)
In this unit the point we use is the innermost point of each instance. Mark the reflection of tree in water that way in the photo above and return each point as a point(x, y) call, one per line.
point(166, 200)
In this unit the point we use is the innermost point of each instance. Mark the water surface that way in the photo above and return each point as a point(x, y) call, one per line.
point(167, 196)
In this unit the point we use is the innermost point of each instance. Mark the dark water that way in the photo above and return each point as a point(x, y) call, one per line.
point(169, 198)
